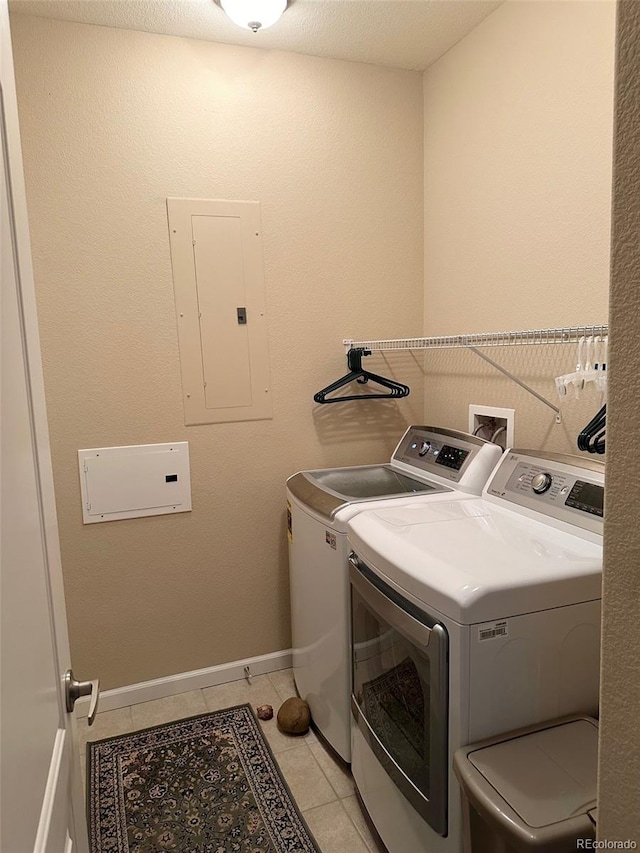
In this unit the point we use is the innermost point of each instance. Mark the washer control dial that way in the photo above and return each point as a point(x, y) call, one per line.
point(541, 483)
point(426, 447)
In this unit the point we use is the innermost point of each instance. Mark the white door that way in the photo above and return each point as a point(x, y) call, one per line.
point(40, 797)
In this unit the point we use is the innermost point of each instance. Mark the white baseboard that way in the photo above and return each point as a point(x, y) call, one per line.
point(158, 688)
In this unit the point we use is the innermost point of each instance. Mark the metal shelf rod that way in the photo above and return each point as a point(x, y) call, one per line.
point(473, 342)
point(519, 382)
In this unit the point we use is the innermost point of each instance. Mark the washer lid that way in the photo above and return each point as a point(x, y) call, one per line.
point(547, 776)
point(476, 562)
point(329, 490)
point(364, 482)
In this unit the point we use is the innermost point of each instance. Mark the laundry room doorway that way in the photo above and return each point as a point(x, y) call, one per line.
point(41, 806)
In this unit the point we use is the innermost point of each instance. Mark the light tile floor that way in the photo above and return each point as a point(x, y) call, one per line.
point(322, 788)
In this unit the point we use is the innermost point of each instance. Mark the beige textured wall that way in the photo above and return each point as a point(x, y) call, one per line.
point(518, 125)
point(619, 777)
point(114, 121)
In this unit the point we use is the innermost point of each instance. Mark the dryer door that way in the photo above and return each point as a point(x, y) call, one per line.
point(400, 690)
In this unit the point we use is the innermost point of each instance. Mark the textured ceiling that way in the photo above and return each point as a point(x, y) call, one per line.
point(399, 33)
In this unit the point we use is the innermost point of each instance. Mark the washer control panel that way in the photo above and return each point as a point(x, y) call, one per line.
point(431, 452)
point(557, 486)
point(447, 453)
point(437, 452)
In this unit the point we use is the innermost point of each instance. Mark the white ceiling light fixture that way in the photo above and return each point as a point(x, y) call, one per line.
point(254, 14)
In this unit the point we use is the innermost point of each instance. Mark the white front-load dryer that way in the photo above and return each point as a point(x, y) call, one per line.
point(469, 619)
point(429, 464)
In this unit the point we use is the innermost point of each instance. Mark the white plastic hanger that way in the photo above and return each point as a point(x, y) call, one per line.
point(570, 384)
point(591, 366)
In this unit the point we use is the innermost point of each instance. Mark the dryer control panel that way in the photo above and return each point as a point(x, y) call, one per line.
point(566, 488)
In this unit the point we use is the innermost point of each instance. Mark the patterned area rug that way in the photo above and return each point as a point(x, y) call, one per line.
point(207, 784)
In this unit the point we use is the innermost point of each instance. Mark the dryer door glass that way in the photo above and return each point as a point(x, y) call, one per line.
point(399, 695)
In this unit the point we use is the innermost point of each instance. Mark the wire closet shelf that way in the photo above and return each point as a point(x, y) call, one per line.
point(475, 342)
point(526, 337)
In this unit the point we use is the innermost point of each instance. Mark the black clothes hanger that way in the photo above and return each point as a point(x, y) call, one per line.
point(356, 371)
point(592, 437)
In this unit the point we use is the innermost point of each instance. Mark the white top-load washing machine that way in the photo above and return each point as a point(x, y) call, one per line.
point(469, 619)
point(429, 464)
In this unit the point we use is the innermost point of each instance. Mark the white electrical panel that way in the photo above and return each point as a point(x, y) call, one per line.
point(129, 482)
point(218, 278)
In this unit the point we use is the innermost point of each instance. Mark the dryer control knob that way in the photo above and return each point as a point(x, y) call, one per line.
point(541, 483)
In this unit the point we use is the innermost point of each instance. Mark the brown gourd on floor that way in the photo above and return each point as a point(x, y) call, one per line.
point(294, 716)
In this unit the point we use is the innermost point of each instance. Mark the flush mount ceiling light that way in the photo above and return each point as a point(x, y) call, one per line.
point(254, 14)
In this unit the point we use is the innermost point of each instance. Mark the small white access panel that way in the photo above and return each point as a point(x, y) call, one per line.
point(129, 482)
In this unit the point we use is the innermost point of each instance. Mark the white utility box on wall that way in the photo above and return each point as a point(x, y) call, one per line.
point(493, 424)
point(129, 482)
